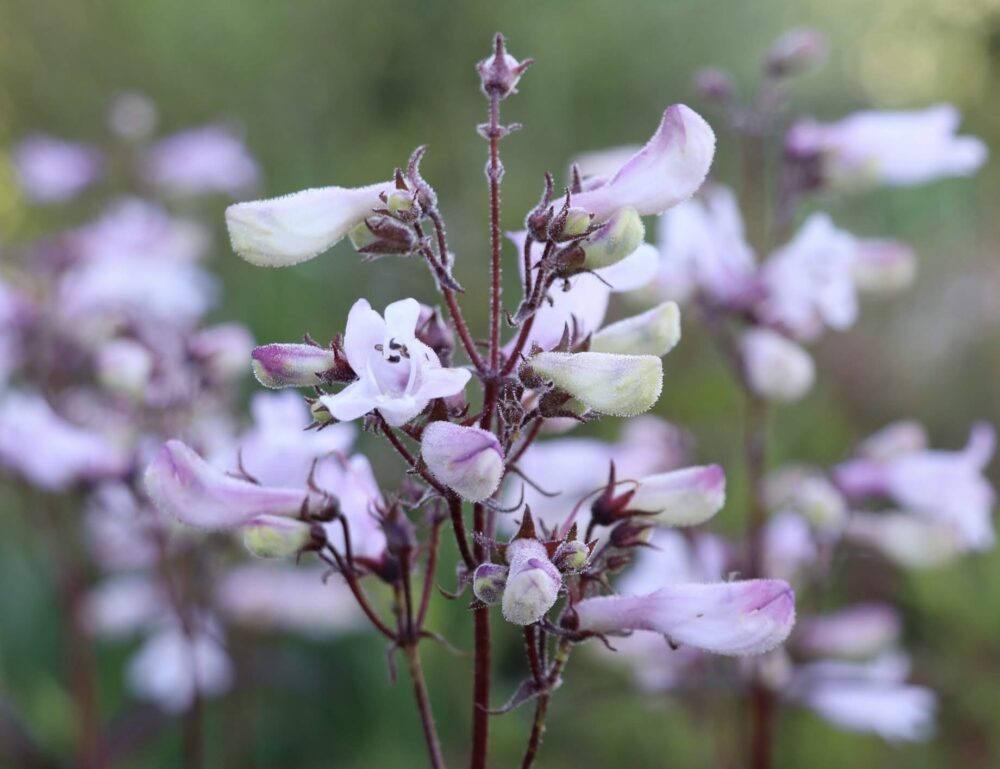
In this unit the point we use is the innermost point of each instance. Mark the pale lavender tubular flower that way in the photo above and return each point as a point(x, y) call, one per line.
point(617, 385)
point(136, 260)
point(648, 445)
point(269, 596)
point(223, 349)
point(136, 229)
point(170, 668)
point(353, 484)
point(809, 492)
point(175, 292)
point(703, 249)
point(809, 283)
point(292, 365)
point(668, 169)
point(654, 332)
point(867, 697)
point(51, 452)
point(895, 148)
point(734, 618)
point(862, 630)
point(277, 450)
point(398, 375)
point(211, 159)
point(50, 170)
point(284, 231)
point(585, 304)
point(775, 367)
point(908, 540)
point(947, 486)
point(123, 606)
point(683, 497)
point(468, 460)
point(533, 582)
point(789, 545)
point(184, 485)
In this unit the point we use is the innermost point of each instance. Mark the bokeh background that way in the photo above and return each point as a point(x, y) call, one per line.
point(336, 92)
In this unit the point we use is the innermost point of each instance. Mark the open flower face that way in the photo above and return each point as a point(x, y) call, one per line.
point(398, 375)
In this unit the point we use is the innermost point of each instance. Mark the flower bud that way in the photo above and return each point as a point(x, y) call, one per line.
point(569, 223)
point(883, 266)
point(468, 460)
point(271, 536)
point(618, 385)
point(403, 204)
point(434, 332)
point(125, 366)
point(292, 365)
point(500, 72)
point(631, 534)
point(532, 583)
point(400, 534)
point(320, 414)
point(681, 497)
point(571, 556)
point(654, 332)
point(796, 52)
point(714, 84)
point(617, 238)
point(379, 235)
point(776, 368)
point(488, 582)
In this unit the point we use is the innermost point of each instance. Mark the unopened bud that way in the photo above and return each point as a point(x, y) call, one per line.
point(320, 414)
point(654, 332)
point(381, 235)
point(272, 536)
point(614, 240)
point(569, 223)
point(796, 52)
point(776, 367)
point(468, 460)
point(488, 582)
point(631, 533)
point(294, 365)
point(714, 84)
point(403, 204)
point(571, 556)
point(400, 536)
point(500, 72)
point(532, 583)
point(618, 385)
point(434, 332)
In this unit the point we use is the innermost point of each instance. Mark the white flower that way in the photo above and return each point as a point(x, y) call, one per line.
point(897, 148)
point(398, 375)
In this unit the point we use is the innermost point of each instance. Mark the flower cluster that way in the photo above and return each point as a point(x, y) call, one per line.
point(104, 353)
point(563, 365)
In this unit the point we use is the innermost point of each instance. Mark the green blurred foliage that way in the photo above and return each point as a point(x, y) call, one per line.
point(337, 92)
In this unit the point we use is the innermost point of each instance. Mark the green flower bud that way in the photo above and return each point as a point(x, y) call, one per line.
point(617, 238)
point(271, 536)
